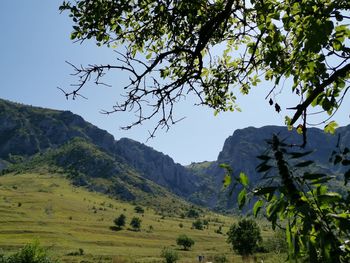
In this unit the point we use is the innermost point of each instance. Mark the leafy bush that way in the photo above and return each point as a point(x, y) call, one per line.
point(198, 224)
point(244, 237)
point(30, 253)
point(120, 221)
point(192, 213)
point(220, 259)
point(185, 241)
point(135, 223)
point(138, 209)
point(169, 255)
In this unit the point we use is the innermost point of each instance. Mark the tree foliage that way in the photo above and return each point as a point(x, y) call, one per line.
point(216, 50)
point(135, 223)
point(198, 224)
point(120, 221)
point(244, 237)
point(185, 241)
point(296, 198)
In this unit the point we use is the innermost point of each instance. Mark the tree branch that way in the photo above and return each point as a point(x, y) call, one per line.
point(341, 73)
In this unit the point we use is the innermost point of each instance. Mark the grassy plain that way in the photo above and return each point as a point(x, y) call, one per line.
point(65, 218)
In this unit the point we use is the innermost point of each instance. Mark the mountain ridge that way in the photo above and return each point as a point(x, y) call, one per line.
point(31, 132)
point(27, 133)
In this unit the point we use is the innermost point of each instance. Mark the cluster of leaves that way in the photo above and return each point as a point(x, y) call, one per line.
point(185, 241)
point(172, 50)
point(316, 220)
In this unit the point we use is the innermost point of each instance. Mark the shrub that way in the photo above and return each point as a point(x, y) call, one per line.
point(169, 255)
point(185, 241)
point(192, 213)
point(120, 221)
point(138, 209)
point(135, 223)
point(30, 253)
point(244, 237)
point(220, 259)
point(198, 224)
point(80, 252)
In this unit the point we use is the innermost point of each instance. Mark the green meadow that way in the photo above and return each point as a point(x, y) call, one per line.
point(65, 218)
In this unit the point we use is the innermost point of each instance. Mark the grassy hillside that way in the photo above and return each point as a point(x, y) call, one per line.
point(66, 218)
point(87, 165)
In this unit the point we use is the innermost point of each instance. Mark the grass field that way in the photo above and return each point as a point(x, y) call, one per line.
point(65, 218)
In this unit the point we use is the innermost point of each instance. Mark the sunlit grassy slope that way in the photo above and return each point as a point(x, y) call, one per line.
point(66, 218)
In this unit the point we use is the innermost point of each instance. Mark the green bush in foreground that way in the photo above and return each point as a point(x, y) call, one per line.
point(169, 255)
point(30, 253)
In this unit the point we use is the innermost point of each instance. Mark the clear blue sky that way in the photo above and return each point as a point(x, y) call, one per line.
point(34, 46)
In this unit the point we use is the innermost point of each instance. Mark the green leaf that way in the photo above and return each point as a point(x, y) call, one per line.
point(242, 197)
point(149, 55)
point(227, 167)
point(329, 197)
point(243, 178)
point(295, 155)
point(263, 157)
point(304, 164)
point(313, 176)
point(263, 168)
point(337, 159)
point(322, 180)
point(227, 180)
point(330, 127)
point(257, 206)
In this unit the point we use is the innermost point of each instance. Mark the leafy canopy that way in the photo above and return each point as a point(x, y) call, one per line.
point(217, 49)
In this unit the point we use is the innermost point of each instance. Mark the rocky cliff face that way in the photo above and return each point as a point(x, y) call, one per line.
point(241, 149)
point(158, 167)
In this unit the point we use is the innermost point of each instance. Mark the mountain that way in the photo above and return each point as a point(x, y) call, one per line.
point(33, 137)
point(241, 149)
